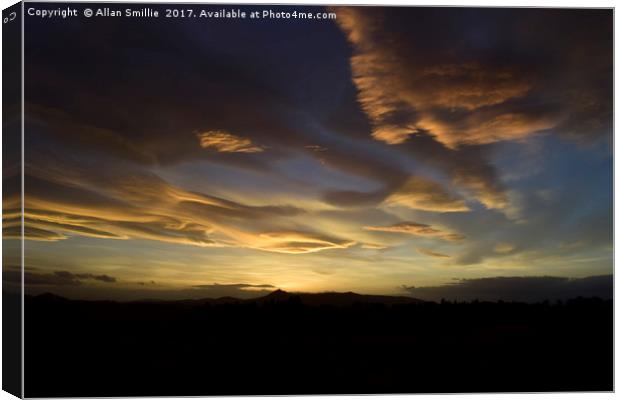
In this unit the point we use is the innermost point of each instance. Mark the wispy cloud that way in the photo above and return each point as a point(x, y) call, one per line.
point(417, 229)
point(431, 253)
point(423, 194)
point(294, 242)
point(226, 142)
point(33, 277)
point(65, 202)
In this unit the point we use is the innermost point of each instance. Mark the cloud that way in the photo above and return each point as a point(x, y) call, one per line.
point(504, 247)
point(445, 98)
point(355, 161)
point(30, 232)
point(158, 126)
point(459, 92)
point(402, 92)
point(431, 253)
point(526, 288)
point(315, 147)
point(355, 198)
point(48, 218)
point(294, 242)
point(417, 107)
point(33, 277)
point(413, 192)
point(114, 126)
point(378, 74)
point(422, 194)
point(547, 235)
point(64, 201)
point(225, 142)
point(417, 229)
point(102, 278)
point(453, 237)
point(373, 246)
point(71, 286)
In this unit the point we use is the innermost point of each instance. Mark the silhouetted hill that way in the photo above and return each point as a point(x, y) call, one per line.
point(334, 298)
point(50, 297)
point(333, 343)
point(277, 296)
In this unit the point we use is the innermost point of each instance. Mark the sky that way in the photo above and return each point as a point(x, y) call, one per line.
point(384, 151)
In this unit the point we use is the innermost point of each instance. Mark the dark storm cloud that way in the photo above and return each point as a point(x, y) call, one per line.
point(527, 289)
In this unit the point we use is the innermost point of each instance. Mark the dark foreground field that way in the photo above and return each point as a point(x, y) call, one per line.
point(287, 344)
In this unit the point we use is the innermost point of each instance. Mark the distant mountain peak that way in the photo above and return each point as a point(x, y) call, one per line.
point(335, 298)
point(47, 296)
point(279, 293)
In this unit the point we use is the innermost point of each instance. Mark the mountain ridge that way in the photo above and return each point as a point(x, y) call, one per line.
point(277, 296)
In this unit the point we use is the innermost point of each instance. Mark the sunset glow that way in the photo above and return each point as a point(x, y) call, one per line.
point(370, 153)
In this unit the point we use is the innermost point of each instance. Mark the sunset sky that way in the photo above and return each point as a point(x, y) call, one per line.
point(389, 148)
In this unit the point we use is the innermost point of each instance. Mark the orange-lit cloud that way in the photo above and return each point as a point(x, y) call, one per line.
point(422, 194)
point(424, 115)
point(417, 229)
point(315, 148)
point(485, 190)
point(504, 247)
point(299, 242)
point(226, 142)
point(431, 253)
point(482, 129)
point(413, 192)
point(437, 107)
point(456, 101)
point(373, 246)
point(62, 203)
